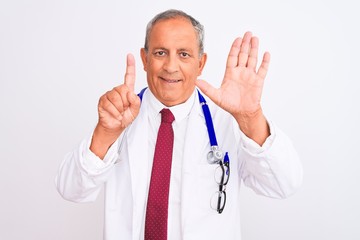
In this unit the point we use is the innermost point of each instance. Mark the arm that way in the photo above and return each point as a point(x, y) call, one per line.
point(86, 168)
point(272, 170)
point(82, 174)
point(269, 163)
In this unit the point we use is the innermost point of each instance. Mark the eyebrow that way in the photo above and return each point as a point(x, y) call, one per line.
point(179, 50)
point(185, 50)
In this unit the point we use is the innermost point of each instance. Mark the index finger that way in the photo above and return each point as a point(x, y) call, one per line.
point(130, 72)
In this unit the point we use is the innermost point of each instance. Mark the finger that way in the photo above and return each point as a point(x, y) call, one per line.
point(130, 72)
point(131, 113)
point(122, 92)
point(106, 107)
point(115, 99)
point(107, 117)
point(135, 102)
point(209, 90)
point(244, 50)
point(263, 69)
point(253, 56)
point(232, 60)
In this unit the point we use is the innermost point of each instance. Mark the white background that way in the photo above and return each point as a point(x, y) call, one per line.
point(58, 57)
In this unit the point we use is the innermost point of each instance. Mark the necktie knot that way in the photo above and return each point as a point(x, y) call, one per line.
point(166, 116)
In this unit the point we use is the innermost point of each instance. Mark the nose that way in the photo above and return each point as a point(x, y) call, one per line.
point(171, 64)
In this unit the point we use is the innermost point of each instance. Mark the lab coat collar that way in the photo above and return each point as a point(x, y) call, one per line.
point(180, 111)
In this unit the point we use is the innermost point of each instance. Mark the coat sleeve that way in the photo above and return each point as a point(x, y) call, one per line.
point(274, 169)
point(82, 174)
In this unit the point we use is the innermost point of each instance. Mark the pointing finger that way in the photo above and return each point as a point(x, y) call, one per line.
point(130, 72)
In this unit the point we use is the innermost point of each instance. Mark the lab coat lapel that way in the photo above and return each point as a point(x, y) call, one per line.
point(194, 142)
point(137, 142)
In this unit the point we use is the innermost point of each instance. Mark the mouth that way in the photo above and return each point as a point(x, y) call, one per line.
point(168, 80)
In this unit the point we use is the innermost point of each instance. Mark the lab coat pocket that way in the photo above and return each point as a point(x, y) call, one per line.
point(206, 186)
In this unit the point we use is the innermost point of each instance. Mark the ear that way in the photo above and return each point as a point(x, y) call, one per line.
point(202, 62)
point(143, 55)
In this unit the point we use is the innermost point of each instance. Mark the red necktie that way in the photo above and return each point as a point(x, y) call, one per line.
point(158, 198)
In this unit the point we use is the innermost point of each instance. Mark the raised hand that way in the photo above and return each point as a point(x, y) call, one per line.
point(241, 89)
point(117, 109)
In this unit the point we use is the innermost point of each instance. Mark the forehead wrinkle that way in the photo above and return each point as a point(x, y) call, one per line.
point(182, 36)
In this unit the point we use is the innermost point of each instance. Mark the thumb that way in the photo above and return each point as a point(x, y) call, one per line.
point(135, 102)
point(208, 90)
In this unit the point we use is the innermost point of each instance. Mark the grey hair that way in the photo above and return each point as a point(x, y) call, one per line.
point(171, 14)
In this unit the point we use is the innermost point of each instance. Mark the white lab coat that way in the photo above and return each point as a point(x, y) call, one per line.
point(273, 170)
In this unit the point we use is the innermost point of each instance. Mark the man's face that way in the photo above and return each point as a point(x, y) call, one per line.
point(172, 62)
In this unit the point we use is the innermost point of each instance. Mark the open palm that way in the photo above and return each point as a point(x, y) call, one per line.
point(241, 89)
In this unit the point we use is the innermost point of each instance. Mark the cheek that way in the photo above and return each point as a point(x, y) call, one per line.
point(193, 73)
point(154, 67)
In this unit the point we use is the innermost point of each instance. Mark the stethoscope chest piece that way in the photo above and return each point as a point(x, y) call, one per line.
point(215, 155)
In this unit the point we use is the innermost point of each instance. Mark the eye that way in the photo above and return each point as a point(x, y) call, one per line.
point(184, 55)
point(160, 53)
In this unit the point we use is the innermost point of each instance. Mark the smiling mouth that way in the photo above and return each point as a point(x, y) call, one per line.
point(170, 80)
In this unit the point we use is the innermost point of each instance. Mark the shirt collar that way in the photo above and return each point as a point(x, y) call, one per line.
point(180, 111)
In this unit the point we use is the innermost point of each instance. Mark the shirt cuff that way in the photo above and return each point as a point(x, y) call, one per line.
point(253, 147)
point(92, 163)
